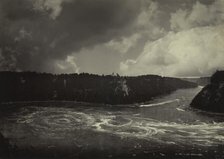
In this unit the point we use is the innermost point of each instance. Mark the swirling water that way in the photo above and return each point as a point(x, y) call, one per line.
point(164, 123)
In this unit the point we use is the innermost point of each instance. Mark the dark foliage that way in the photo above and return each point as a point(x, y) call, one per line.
point(109, 89)
point(217, 77)
point(211, 97)
point(5, 147)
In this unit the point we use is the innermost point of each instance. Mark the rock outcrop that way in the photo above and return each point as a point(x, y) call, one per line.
point(211, 97)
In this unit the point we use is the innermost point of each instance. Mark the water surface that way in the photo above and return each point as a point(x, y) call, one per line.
point(164, 125)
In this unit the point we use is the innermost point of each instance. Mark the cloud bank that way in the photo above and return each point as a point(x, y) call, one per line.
point(193, 47)
point(130, 37)
point(194, 52)
point(36, 33)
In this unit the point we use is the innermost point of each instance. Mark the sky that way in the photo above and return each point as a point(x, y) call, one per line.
point(181, 38)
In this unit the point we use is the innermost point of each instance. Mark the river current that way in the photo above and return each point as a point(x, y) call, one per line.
point(165, 123)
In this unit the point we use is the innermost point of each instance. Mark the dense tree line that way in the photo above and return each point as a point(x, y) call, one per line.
point(108, 89)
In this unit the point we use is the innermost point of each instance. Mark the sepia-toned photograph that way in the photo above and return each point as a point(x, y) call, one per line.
point(111, 79)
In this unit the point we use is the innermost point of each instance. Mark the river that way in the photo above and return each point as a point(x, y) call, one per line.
point(164, 128)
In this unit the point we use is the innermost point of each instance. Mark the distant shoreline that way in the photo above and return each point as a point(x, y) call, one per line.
point(87, 88)
point(72, 104)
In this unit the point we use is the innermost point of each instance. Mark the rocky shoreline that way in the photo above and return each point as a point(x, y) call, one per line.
point(211, 97)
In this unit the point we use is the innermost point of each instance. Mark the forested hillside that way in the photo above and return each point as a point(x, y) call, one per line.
point(109, 89)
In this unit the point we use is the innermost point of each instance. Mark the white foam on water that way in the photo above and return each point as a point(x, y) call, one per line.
point(200, 87)
point(203, 134)
point(102, 121)
point(158, 104)
point(179, 109)
point(55, 122)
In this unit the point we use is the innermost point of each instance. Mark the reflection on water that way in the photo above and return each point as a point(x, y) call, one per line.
point(167, 121)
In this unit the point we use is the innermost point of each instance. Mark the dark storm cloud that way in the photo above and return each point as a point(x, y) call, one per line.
point(104, 36)
point(33, 35)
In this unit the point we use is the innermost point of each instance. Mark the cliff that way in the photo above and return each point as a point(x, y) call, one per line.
point(109, 89)
point(211, 97)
